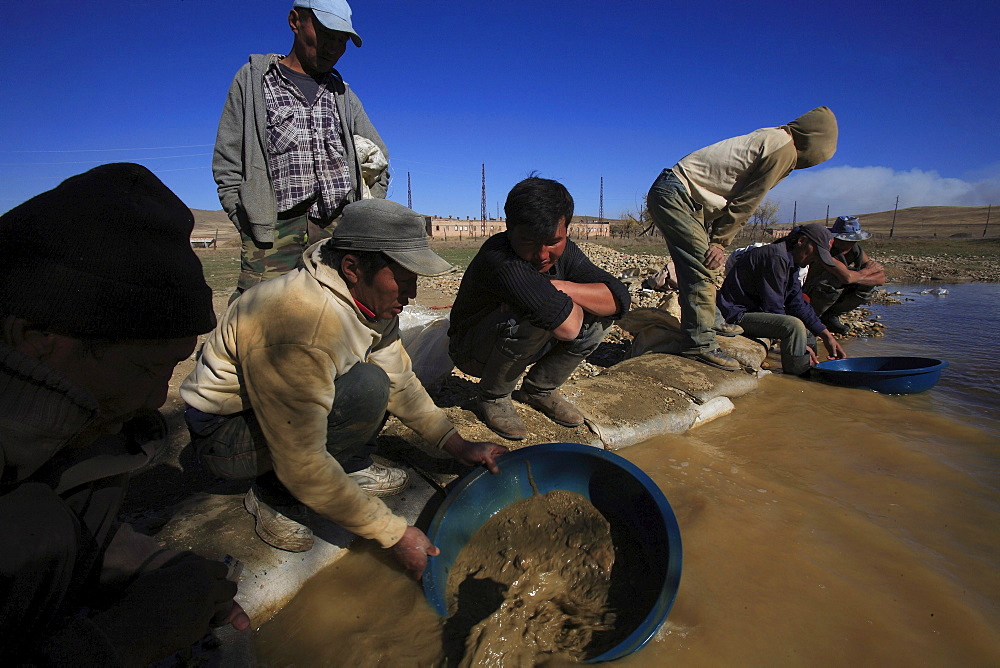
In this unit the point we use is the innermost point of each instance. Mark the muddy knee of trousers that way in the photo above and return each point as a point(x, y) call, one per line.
point(361, 394)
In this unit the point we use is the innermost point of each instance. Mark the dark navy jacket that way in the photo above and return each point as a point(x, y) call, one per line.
point(765, 280)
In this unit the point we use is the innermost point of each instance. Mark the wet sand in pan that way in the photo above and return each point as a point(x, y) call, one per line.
point(532, 584)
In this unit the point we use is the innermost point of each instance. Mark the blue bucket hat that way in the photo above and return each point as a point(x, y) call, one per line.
point(333, 14)
point(848, 228)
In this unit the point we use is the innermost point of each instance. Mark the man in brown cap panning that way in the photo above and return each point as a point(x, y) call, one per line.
point(763, 295)
point(294, 384)
point(702, 202)
point(100, 297)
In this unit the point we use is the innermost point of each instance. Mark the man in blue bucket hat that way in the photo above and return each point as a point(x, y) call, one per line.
point(834, 290)
point(295, 145)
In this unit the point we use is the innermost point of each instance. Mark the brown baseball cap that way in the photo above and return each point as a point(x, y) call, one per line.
point(820, 236)
point(385, 226)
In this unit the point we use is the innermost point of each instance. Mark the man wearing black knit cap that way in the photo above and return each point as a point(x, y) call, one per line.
point(100, 297)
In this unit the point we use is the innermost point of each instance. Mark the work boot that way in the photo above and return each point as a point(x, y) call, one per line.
point(275, 527)
point(501, 416)
point(552, 405)
point(378, 480)
point(833, 324)
point(728, 329)
point(540, 388)
point(500, 376)
point(716, 358)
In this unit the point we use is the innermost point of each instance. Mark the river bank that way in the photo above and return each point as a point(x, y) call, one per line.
point(176, 500)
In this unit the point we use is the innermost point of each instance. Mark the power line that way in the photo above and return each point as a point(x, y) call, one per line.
point(90, 150)
point(87, 162)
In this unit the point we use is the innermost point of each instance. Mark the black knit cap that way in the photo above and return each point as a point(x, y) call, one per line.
point(106, 254)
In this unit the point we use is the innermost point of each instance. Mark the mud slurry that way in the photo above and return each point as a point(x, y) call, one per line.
point(532, 585)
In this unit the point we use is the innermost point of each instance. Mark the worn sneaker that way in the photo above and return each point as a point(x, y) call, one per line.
point(834, 325)
point(378, 480)
point(554, 406)
point(728, 329)
point(501, 416)
point(275, 527)
point(716, 358)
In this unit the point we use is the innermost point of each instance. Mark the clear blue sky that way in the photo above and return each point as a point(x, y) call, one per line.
point(576, 90)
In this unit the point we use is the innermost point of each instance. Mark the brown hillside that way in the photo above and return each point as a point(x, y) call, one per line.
point(210, 223)
point(920, 221)
point(930, 221)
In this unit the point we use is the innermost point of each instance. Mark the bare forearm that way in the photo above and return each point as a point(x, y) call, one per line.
point(871, 274)
point(594, 298)
point(569, 329)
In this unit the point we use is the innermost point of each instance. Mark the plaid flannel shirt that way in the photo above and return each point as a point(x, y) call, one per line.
point(305, 154)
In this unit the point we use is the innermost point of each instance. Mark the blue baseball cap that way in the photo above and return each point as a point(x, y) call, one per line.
point(333, 14)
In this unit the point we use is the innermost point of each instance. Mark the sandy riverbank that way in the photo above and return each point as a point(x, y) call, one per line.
point(176, 500)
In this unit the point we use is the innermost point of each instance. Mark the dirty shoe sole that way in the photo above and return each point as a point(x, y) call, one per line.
point(502, 418)
point(549, 408)
point(706, 360)
point(728, 330)
point(298, 539)
point(371, 485)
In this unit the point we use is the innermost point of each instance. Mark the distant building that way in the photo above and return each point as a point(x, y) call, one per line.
point(453, 228)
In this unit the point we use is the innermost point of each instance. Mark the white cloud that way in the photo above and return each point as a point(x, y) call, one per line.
point(860, 190)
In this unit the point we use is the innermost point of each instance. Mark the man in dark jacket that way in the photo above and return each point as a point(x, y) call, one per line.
point(530, 296)
point(762, 294)
point(100, 297)
point(295, 145)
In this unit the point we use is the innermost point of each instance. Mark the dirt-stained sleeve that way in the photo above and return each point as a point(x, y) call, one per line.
point(291, 389)
point(766, 172)
point(408, 400)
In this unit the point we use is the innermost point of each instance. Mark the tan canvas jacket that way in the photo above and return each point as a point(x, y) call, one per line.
point(278, 349)
point(731, 178)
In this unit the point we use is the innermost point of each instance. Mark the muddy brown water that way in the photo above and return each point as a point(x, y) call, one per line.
point(822, 526)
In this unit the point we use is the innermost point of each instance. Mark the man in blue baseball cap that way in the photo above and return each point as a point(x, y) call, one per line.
point(283, 189)
point(834, 290)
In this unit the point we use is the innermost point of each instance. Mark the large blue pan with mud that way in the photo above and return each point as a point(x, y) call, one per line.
point(647, 541)
point(887, 375)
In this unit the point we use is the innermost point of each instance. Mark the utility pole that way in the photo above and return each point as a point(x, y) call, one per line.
point(484, 199)
point(988, 209)
point(795, 211)
point(409, 193)
point(600, 208)
point(892, 228)
point(828, 215)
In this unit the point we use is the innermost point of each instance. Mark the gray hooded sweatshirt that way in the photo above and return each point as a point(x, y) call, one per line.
point(240, 160)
